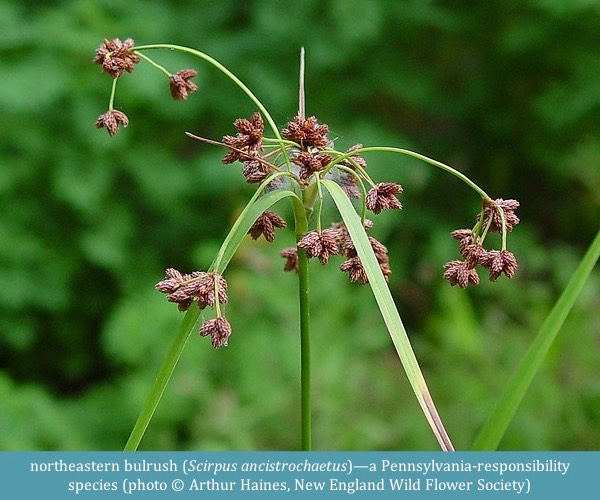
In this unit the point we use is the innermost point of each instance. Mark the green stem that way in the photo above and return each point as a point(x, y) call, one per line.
point(418, 156)
point(155, 64)
point(301, 224)
point(113, 90)
point(162, 379)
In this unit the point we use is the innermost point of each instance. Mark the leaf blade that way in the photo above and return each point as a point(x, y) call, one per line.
point(491, 433)
point(389, 312)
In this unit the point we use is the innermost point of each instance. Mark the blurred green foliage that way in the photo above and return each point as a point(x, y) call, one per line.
point(508, 92)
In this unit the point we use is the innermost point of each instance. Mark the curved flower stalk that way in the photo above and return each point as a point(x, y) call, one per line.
point(300, 162)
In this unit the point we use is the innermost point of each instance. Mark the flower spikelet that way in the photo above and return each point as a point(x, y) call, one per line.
point(356, 271)
point(180, 288)
point(184, 289)
point(255, 171)
point(205, 290)
point(111, 121)
point(470, 246)
point(320, 245)
point(465, 237)
point(310, 163)
point(500, 262)
point(307, 132)
point(492, 210)
point(248, 141)
point(219, 330)
point(265, 225)
point(460, 273)
point(291, 259)
point(180, 84)
point(383, 197)
point(116, 56)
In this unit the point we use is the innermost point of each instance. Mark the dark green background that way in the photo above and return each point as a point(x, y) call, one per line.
point(506, 91)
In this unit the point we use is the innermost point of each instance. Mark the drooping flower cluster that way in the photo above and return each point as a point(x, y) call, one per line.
point(116, 58)
point(204, 289)
point(496, 216)
point(265, 226)
point(111, 121)
point(383, 196)
point(180, 84)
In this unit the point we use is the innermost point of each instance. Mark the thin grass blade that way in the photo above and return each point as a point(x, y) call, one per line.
point(497, 423)
point(389, 312)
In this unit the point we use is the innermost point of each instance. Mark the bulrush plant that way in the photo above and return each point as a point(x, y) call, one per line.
point(301, 164)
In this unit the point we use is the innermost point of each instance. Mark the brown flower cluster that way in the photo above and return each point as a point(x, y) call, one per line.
point(470, 243)
point(206, 290)
point(492, 210)
point(311, 155)
point(353, 266)
point(310, 163)
point(246, 145)
point(116, 58)
point(180, 84)
point(320, 244)
point(265, 226)
point(336, 241)
point(111, 121)
point(307, 132)
point(291, 259)
point(383, 197)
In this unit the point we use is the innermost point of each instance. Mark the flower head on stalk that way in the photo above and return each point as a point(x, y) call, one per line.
point(320, 244)
point(206, 289)
point(111, 121)
point(460, 273)
point(496, 216)
point(116, 57)
point(218, 329)
point(180, 84)
point(265, 225)
point(492, 213)
point(500, 262)
point(247, 143)
point(291, 259)
point(307, 132)
point(383, 197)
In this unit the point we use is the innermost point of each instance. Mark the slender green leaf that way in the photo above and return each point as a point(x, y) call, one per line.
point(389, 312)
point(498, 421)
